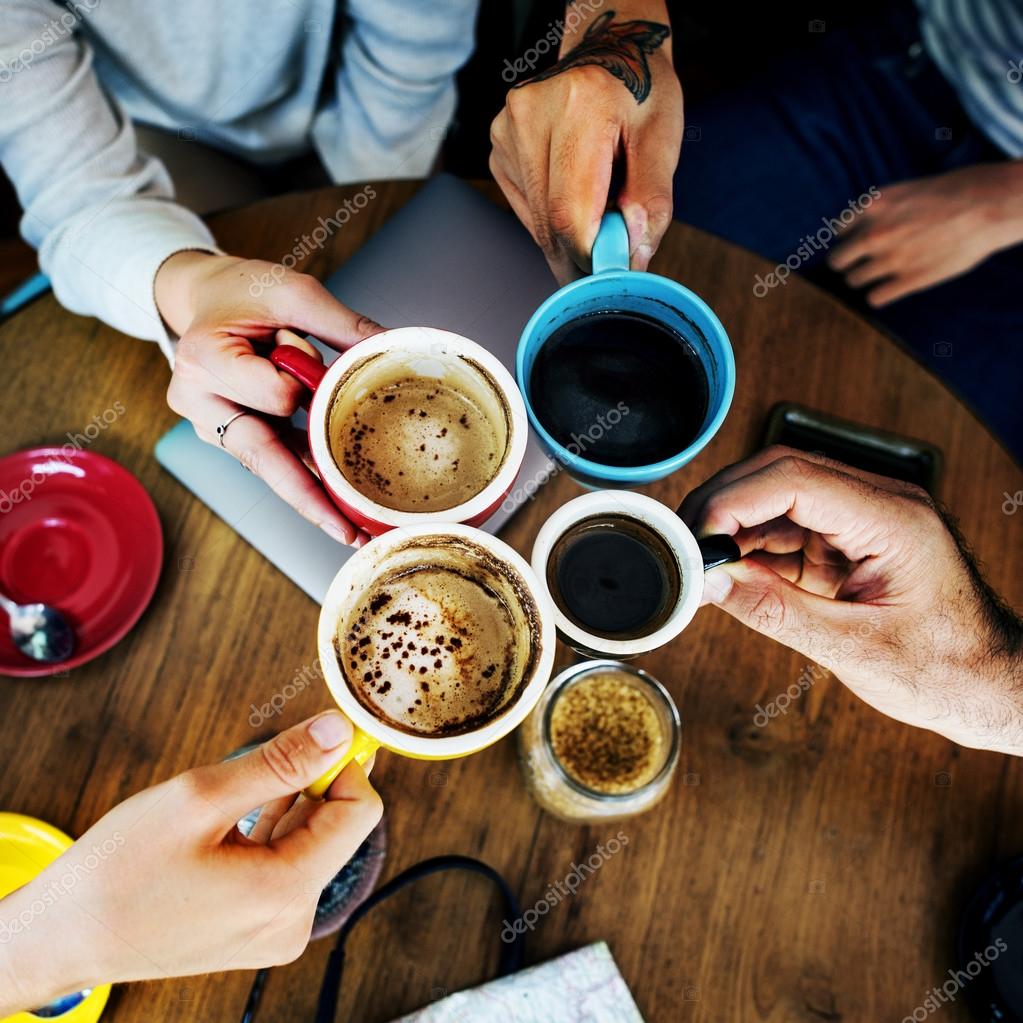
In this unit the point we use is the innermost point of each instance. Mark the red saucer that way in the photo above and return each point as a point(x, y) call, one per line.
point(77, 531)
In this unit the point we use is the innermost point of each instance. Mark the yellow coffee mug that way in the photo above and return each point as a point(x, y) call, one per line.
point(27, 847)
point(408, 547)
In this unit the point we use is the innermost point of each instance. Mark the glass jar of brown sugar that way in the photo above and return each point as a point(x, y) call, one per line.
point(602, 743)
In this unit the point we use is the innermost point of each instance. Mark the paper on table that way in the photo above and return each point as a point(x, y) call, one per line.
point(581, 987)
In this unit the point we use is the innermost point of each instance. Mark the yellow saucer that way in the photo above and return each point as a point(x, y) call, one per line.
point(27, 847)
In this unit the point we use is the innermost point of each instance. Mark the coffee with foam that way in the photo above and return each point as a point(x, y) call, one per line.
point(443, 641)
point(419, 433)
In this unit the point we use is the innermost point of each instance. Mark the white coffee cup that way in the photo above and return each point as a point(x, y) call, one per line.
point(693, 557)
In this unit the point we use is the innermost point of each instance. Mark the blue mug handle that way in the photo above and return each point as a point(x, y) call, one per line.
point(611, 247)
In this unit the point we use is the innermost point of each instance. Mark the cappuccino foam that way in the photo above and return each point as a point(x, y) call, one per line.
point(420, 442)
point(434, 650)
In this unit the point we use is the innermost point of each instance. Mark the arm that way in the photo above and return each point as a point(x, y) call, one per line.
point(118, 248)
point(613, 95)
point(917, 234)
point(395, 87)
point(104, 911)
point(865, 576)
point(99, 213)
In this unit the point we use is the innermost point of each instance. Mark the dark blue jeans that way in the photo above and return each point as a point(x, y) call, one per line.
point(762, 166)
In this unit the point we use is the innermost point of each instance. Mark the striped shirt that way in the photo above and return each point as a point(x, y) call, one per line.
point(978, 46)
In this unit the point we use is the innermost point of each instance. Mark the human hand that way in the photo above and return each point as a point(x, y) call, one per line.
point(917, 234)
point(614, 92)
point(177, 890)
point(863, 575)
point(212, 303)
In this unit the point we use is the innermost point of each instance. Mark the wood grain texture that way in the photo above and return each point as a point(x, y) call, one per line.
point(810, 870)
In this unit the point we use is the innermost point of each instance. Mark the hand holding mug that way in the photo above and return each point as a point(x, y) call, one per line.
point(614, 94)
point(864, 575)
point(220, 305)
point(436, 640)
point(183, 892)
point(623, 572)
point(414, 425)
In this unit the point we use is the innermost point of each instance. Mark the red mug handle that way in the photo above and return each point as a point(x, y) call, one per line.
point(301, 366)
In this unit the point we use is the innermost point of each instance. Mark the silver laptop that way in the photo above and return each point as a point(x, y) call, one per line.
point(449, 258)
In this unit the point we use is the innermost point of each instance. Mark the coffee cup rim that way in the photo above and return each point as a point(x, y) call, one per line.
point(653, 514)
point(416, 341)
point(628, 473)
point(337, 601)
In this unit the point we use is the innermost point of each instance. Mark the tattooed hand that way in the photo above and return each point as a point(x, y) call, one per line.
point(613, 94)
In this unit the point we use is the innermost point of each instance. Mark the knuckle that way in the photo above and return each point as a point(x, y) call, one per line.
point(582, 83)
point(251, 458)
point(371, 809)
point(283, 756)
point(282, 396)
point(767, 613)
point(300, 289)
point(560, 215)
point(794, 469)
point(659, 210)
point(195, 785)
point(498, 128)
point(517, 105)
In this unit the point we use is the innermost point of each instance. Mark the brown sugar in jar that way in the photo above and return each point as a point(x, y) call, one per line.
point(602, 743)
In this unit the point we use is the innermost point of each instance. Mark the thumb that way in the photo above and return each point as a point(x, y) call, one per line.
point(283, 766)
point(767, 603)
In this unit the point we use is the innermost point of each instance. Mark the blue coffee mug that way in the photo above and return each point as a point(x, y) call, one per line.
point(613, 286)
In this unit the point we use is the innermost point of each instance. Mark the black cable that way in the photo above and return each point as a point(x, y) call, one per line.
point(511, 952)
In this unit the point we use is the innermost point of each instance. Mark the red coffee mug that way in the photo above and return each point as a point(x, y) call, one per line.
point(426, 351)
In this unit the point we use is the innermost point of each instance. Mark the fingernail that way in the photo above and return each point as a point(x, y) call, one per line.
point(361, 539)
point(717, 584)
point(335, 532)
point(330, 730)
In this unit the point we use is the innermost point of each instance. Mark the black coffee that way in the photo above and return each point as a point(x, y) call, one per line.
point(623, 388)
point(614, 576)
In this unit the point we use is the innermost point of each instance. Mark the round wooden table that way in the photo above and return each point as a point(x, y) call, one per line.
point(811, 870)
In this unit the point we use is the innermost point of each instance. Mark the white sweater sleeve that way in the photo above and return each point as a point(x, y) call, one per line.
point(395, 87)
point(101, 215)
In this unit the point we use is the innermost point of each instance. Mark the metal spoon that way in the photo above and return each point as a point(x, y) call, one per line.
point(39, 631)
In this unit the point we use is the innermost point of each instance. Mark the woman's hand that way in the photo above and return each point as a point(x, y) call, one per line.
point(917, 234)
point(220, 306)
point(613, 94)
point(165, 885)
point(862, 574)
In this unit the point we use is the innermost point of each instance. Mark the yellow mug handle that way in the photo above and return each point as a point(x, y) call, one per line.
point(362, 748)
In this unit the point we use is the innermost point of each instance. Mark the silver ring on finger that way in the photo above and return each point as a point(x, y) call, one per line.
point(222, 429)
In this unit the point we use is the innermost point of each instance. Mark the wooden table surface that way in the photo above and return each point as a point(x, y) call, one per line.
point(810, 870)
